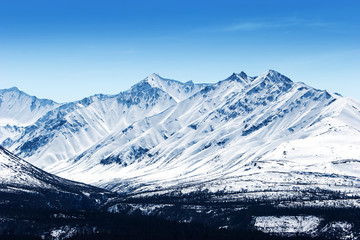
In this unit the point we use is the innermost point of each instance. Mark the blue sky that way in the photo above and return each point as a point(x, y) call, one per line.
point(69, 49)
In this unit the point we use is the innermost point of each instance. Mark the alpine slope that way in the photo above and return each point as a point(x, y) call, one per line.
point(264, 135)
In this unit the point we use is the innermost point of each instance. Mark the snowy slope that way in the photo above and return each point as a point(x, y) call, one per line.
point(18, 110)
point(73, 127)
point(266, 129)
point(23, 185)
point(244, 133)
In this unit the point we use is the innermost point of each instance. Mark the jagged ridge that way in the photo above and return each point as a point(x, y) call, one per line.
point(162, 134)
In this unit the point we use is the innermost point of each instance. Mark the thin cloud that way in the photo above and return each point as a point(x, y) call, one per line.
point(246, 26)
point(258, 25)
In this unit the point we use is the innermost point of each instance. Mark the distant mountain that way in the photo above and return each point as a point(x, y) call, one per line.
point(73, 127)
point(266, 135)
point(177, 90)
point(20, 109)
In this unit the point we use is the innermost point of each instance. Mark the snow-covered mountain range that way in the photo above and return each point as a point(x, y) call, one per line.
point(263, 134)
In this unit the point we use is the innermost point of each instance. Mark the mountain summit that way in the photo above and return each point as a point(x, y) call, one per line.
point(241, 78)
point(176, 89)
point(20, 109)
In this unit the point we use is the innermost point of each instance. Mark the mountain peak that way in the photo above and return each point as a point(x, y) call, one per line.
point(155, 80)
point(190, 82)
point(271, 71)
point(154, 75)
point(21, 109)
point(241, 78)
point(176, 89)
point(275, 77)
point(233, 76)
point(243, 75)
point(152, 81)
point(13, 89)
point(273, 74)
point(22, 93)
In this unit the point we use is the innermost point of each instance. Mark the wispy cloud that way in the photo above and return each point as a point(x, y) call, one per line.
point(246, 26)
point(285, 23)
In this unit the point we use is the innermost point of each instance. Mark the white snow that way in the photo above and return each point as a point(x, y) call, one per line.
point(20, 109)
point(15, 171)
point(287, 225)
point(63, 232)
point(240, 134)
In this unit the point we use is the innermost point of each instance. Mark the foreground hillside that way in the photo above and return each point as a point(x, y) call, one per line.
point(23, 186)
point(38, 205)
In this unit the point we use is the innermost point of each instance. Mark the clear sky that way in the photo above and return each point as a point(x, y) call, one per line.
point(69, 49)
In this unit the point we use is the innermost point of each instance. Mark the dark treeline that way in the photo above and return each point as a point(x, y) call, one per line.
point(27, 218)
point(185, 206)
point(31, 225)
